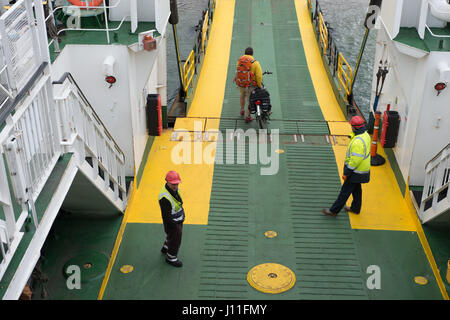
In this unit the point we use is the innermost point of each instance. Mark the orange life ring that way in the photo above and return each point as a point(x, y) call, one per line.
point(93, 3)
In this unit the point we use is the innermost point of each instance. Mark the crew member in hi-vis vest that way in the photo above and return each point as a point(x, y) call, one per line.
point(173, 216)
point(356, 169)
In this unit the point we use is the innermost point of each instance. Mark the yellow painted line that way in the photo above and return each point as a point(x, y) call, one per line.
point(208, 98)
point(196, 179)
point(339, 128)
point(143, 206)
point(118, 241)
point(190, 124)
point(425, 245)
point(212, 125)
point(192, 158)
point(383, 205)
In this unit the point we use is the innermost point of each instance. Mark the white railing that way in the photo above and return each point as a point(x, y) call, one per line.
point(29, 145)
point(20, 43)
point(76, 13)
point(78, 121)
point(35, 130)
point(436, 196)
point(29, 150)
point(21, 30)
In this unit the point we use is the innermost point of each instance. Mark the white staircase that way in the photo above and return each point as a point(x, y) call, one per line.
point(82, 133)
point(39, 122)
point(436, 196)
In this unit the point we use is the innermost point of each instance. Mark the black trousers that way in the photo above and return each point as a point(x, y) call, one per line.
point(347, 189)
point(174, 233)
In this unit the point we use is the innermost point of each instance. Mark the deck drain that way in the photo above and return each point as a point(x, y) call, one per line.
point(271, 278)
point(270, 234)
point(92, 265)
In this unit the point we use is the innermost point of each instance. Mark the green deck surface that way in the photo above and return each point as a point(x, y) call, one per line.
point(329, 259)
point(81, 238)
point(438, 235)
point(122, 36)
point(410, 37)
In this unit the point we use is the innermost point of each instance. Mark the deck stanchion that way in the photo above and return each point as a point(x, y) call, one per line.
point(376, 159)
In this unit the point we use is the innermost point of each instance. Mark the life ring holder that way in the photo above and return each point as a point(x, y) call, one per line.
point(79, 3)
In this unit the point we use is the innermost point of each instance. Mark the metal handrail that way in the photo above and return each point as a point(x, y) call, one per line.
point(87, 29)
point(188, 72)
point(4, 113)
point(330, 49)
point(88, 7)
point(68, 75)
point(344, 74)
point(436, 35)
point(437, 155)
point(107, 30)
point(205, 29)
point(323, 30)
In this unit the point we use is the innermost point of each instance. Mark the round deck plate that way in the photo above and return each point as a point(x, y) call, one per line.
point(271, 278)
point(420, 280)
point(126, 268)
point(270, 234)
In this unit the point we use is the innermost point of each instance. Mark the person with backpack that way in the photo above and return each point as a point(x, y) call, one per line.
point(248, 77)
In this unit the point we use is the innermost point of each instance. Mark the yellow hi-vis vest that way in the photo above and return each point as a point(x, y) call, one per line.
point(177, 213)
point(357, 157)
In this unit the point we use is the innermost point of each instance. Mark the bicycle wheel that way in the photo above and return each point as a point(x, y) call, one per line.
point(262, 121)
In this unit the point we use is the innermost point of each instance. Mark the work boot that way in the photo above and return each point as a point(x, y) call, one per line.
point(173, 260)
point(329, 213)
point(348, 209)
point(176, 263)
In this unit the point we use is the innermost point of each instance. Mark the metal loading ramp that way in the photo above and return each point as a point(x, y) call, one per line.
point(238, 218)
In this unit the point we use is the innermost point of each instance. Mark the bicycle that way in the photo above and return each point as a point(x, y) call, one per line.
point(261, 105)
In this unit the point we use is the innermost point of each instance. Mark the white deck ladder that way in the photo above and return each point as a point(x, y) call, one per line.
point(83, 133)
point(435, 196)
point(38, 123)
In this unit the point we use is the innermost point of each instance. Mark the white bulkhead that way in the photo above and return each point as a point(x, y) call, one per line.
point(121, 105)
point(414, 39)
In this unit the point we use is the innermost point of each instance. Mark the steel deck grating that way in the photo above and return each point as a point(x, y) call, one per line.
point(327, 261)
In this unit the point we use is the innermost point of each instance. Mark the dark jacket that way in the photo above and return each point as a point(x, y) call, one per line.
point(166, 206)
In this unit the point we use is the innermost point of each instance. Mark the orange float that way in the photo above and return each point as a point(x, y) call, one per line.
point(93, 3)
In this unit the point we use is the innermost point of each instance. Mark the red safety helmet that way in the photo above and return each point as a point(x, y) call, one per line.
point(173, 177)
point(357, 122)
